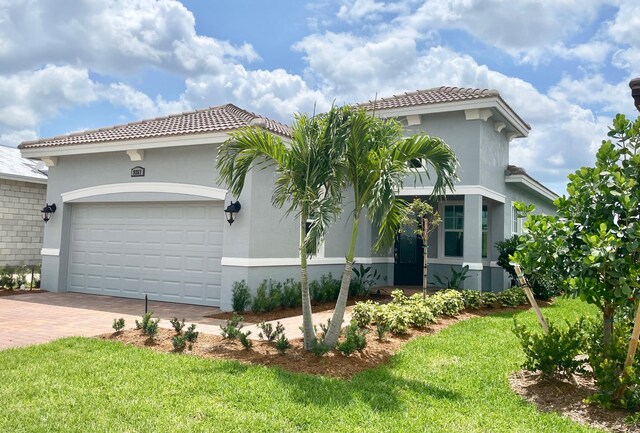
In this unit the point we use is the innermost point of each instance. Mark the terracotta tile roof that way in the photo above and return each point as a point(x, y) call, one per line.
point(436, 95)
point(213, 119)
point(14, 165)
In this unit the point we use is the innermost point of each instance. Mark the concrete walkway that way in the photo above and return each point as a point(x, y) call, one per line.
point(34, 318)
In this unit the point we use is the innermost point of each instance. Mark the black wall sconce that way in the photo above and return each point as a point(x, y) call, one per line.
point(233, 208)
point(635, 92)
point(47, 210)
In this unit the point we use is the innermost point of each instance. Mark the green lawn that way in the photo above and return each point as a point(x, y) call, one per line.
point(454, 381)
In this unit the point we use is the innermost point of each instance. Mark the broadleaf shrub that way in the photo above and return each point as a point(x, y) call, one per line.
point(355, 339)
point(513, 297)
point(450, 302)
point(472, 299)
point(554, 352)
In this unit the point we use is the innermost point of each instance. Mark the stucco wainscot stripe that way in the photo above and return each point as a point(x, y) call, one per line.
point(458, 190)
point(295, 261)
point(50, 252)
point(146, 187)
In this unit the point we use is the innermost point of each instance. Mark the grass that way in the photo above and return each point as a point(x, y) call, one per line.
point(453, 381)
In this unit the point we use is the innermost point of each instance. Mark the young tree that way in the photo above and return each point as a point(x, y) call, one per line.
point(423, 219)
point(375, 163)
point(308, 180)
point(593, 244)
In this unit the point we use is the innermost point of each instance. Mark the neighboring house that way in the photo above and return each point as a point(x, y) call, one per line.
point(140, 209)
point(23, 191)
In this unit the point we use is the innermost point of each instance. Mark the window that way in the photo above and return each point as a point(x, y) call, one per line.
point(453, 230)
point(485, 231)
point(514, 221)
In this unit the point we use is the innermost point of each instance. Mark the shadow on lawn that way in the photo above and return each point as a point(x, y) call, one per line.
point(380, 389)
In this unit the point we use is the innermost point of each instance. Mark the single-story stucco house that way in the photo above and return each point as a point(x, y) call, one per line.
point(23, 190)
point(140, 209)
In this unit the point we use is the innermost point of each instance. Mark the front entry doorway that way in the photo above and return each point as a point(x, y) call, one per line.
point(407, 269)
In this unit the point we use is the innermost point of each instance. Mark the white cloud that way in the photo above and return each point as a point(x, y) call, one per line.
point(139, 103)
point(29, 97)
point(357, 10)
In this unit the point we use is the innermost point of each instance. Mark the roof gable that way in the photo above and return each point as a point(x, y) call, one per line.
point(14, 166)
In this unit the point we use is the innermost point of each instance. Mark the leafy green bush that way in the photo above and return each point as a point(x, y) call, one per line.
point(240, 296)
point(291, 294)
point(363, 313)
point(395, 316)
point(191, 335)
point(318, 348)
point(472, 299)
point(325, 289)
point(177, 325)
point(246, 342)
point(449, 302)
point(147, 325)
point(398, 297)
point(513, 297)
point(607, 367)
point(505, 249)
point(232, 328)
point(118, 324)
point(554, 352)
point(355, 339)
point(488, 299)
point(364, 278)
point(455, 280)
point(282, 344)
point(270, 333)
point(261, 301)
point(7, 277)
point(419, 313)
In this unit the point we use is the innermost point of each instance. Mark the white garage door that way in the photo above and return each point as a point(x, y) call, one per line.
point(170, 251)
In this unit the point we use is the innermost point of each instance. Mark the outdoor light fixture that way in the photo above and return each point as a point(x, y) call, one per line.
point(635, 92)
point(47, 210)
point(230, 210)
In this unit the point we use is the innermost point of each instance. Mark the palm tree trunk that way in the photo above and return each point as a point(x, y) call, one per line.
point(307, 314)
point(331, 339)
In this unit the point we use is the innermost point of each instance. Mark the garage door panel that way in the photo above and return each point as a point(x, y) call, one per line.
point(170, 251)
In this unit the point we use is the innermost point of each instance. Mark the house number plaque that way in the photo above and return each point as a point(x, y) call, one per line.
point(137, 171)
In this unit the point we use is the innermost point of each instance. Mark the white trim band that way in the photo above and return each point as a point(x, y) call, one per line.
point(458, 190)
point(532, 185)
point(145, 187)
point(252, 262)
point(55, 252)
point(473, 266)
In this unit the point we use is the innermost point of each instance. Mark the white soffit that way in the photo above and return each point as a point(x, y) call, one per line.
point(458, 190)
point(532, 185)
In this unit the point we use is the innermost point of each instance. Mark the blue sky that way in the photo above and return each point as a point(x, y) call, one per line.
point(564, 66)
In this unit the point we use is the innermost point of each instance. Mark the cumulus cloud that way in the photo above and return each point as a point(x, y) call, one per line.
point(29, 97)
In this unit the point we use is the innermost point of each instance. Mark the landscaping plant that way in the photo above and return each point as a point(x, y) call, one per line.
point(232, 327)
point(282, 344)
point(246, 342)
point(148, 326)
point(240, 296)
point(118, 324)
point(456, 279)
point(270, 333)
point(355, 339)
point(177, 325)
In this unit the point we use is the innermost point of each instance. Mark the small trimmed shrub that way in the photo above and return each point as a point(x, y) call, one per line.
point(240, 296)
point(244, 340)
point(363, 313)
point(177, 325)
point(513, 297)
point(318, 348)
point(396, 317)
point(450, 302)
point(191, 335)
point(232, 328)
point(261, 302)
point(398, 297)
point(325, 289)
point(355, 339)
point(282, 344)
point(147, 325)
point(472, 299)
point(554, 352)
point(179, 343)
point(118, 324)
point(291, 294)
point(270, 333)
point(488, 299)
point(419, 314)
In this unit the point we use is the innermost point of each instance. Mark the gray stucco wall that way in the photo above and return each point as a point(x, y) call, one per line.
point(21, 224)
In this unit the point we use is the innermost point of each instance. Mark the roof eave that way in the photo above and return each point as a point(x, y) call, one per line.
point(442, 107)
point(22, 178)
point(531, 184)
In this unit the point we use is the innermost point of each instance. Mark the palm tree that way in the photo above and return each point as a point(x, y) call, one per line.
point(307, 181)
point(376, 161)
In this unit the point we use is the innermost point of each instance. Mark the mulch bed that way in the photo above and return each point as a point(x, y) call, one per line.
point(296, 359)
point(281, 313)
point(9, 292)
point(567, 399)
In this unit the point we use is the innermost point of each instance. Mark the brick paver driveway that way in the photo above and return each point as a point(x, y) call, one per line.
point(40, 317)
